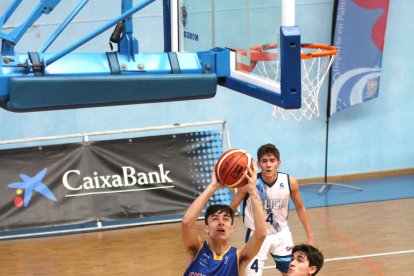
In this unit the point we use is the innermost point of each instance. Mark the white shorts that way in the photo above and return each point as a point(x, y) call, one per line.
point(280, 246)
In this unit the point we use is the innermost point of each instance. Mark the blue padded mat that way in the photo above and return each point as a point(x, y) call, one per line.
point(378, 189)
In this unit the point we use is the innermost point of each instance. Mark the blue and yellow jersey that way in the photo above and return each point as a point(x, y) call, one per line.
point(207, 263)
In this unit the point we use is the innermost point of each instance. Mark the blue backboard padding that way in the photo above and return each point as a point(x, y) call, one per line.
point(290, 75)
point(43, 93)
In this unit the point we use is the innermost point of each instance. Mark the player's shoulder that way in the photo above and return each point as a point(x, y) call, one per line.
point(293, 183)
point(292, 178)
point(283, 176)
point(282, 173)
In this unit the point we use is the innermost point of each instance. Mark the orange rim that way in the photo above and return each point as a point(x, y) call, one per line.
point(327, 50)
point(258, 53)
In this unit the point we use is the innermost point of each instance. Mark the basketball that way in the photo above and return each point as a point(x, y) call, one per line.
point(231, 166)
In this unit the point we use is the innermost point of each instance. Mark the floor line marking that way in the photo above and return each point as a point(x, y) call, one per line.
point(370, 255)
point(347, 242)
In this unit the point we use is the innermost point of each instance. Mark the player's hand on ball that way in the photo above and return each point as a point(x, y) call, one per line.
point(215, 182)
point(251, 176)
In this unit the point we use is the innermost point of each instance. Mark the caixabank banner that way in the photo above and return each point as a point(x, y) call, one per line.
point(106, 180)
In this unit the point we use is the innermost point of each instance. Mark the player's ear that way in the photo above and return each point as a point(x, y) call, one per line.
point(312, 270)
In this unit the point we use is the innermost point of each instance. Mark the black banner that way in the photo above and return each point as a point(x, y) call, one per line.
point(106, 180)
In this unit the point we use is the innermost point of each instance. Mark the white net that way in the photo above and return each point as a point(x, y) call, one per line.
point(315, 66)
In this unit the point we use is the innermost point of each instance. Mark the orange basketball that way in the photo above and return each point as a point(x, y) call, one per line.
point(231, 166)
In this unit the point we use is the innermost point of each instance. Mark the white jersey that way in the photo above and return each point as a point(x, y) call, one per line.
point(275, 200)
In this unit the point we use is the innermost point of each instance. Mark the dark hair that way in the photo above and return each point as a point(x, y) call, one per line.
point(268, 149)
point(315, 257)
point(218, 209)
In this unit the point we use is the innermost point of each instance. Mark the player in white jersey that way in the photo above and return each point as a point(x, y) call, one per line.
point(275, 189)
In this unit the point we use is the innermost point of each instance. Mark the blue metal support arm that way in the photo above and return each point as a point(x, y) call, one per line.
point(11, 39)
point(129, 44)
point(253, 91)
point(13, 6)
point(167, 25)
point(63, 26)
point(97, 32)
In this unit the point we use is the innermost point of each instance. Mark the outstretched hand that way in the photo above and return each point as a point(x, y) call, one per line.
point(251, 176)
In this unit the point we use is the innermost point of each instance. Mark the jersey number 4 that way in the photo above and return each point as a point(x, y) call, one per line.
point(269, 218)
point(255, 265)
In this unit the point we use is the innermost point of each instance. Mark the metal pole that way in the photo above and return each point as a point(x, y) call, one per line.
point(110, 132)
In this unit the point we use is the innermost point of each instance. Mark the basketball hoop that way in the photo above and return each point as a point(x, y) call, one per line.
point(316, 60)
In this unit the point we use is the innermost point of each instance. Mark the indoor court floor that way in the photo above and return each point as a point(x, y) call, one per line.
point(371, 238)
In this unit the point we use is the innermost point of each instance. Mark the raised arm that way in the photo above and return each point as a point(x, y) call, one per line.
point(238, 197)
point(190, 237)
point(252, 247)
point(301, 209)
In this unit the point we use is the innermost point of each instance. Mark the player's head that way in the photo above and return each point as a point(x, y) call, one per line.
point(219, 222)
point(219, 209)
point(268, 160)
point(306, 260)
point(268, 149)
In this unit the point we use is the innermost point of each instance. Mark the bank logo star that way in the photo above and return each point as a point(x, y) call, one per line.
point(33, 183)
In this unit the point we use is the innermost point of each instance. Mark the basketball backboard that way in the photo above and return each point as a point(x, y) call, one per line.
point(247, 27)
point(206, 43)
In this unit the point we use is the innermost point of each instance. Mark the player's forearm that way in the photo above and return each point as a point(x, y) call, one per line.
point(194, 211)
point(237, 199)
point(304, 219)
point(258, 216)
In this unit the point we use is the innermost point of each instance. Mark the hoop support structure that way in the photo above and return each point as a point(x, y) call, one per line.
point(316, 59)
